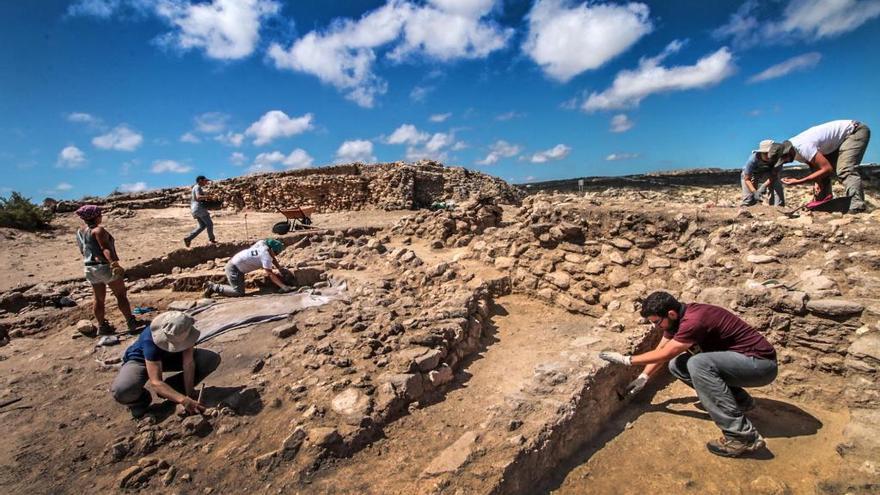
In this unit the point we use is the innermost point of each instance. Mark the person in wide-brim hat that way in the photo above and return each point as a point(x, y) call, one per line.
point(760, 174)
point(168, 344)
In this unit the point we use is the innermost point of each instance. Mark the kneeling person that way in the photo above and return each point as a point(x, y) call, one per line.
point(260, 255)
point(716, 353)
point(167, 344)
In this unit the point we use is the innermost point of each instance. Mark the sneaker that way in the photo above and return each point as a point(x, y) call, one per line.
point(209, 290)
point(133, 325)
point(213, 241)
point(139, 411)
point(730, 447)
point(105, 328)
point(186, 242)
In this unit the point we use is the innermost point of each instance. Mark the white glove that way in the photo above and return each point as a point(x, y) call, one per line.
point(616, 357)
point(636, 385)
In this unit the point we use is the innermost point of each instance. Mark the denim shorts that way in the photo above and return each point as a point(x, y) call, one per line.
point(100, 274)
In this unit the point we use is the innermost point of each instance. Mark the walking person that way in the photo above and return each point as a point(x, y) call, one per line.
point(167, 344)
point(261, 255)
point(761, 174)
point(102, 268)
point(715, 352)
point(832, 148)
point(200, 211)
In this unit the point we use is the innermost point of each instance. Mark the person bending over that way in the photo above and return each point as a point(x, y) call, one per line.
point(261, 255)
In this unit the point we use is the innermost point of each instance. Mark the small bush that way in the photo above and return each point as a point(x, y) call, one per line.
point(19, 212)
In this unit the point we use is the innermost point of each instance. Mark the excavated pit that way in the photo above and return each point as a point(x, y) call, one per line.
point(464, 360)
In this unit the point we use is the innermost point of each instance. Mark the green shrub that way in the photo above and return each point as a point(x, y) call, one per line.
point(19, 212)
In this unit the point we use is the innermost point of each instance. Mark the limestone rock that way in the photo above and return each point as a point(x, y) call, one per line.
point(453, 457)
point(619, 277)
point(323, 437)
point(834, 307)
point(265, 461)
point(760, 259)
point(765, 485)
point(290, 445)
point(285, 330)
point(86, 328)
point(440, 376)
point(405, 384)
point(353, 404)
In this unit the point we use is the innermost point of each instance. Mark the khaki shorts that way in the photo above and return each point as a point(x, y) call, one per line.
point(100, 274)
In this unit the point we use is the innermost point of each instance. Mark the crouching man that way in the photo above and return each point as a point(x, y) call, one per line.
point(167, 344)
point(261, 255)
point(717, 354)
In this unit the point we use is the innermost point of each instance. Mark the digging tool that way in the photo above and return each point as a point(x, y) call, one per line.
point(246, 234)
point(792, 213)
point(201, 393)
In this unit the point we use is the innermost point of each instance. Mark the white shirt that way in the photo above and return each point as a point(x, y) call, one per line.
point(253, 258)
point(826, 138)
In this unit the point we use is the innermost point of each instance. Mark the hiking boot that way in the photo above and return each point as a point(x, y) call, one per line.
point(209, 290)
point(730, 447)
point(186, 241)
point(105, 328)
point(133, 325)
point(139, 411)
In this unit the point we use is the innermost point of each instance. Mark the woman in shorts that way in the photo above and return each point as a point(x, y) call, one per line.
point(102, 267)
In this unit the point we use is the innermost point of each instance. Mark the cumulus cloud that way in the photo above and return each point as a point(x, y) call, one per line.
point(237, 158)
point(345, 53)
point(189, 137)
point(94, 8)
point(63, 186)
point(621, 123)
point(509, 116)
point(275, 124)
point(630, 87)
point(800, 20)
point(419, 93)
point(230, 138)
point(84, 118)
point(357, 150)
point(557, 152)
point(613, 157)
point(407, 134)
point(119, 138)
point(440, 117)
point(500, 149)
point(434, 147)
point(566, 40)
point(163, 166)
point(794, 64)
point(211, 122)
point(71, 157)
point(224, 29)
point(297, 159)
point(133, 187)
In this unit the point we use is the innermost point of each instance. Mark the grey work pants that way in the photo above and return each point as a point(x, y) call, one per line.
point(236, 283)
point(846, 162)
point(777, 193)
point(719, 378)
point(205, 222)
point(128, 386)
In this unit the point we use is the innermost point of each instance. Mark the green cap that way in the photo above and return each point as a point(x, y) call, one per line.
point(275, 245)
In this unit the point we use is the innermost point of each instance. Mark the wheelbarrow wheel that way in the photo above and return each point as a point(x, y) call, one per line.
point(281, 228)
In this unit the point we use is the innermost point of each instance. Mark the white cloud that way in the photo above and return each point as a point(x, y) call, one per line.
point(63, 186)
point(566, 40)
point(238, 158)
point(344, 54)
point(557, 152)
point(230, 138)
point(224, 29)
point(275, 124)
point(630, 87)
point(163, 166)
point(500, 149)
point(133, 187)
point(800, 20)
point(794, 64)
point(190, 138)
point(613, 157)
point(419, 93)
point(94, 8)
point(211, 122)
point(120, 138)
point(83, 118)
point(509, 116)
point(358, 150)
point(407, 134)
point(440, 117)
point(621, 123)
point(434, 148)
point(297, 159)
point(71, 157)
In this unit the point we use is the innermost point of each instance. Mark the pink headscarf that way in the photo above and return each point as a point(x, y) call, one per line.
point(88, 212)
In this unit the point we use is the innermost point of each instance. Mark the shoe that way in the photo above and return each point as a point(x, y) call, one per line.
point(208, 290)
point(729, 447)
point(139, 411)
point(213, 241)
point(105, 328)
point(186, 242)
point(133, 325)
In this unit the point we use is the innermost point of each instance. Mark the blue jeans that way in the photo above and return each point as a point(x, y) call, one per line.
point(719, 378)
point(205, 222)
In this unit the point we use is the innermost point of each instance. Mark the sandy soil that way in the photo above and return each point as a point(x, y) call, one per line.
point(53, 255)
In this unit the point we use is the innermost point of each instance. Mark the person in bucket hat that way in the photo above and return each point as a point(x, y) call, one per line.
point(761, 173)
point(261, 255)
point(167, 344)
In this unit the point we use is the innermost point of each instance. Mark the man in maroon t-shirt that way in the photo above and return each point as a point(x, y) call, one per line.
point(715, 352)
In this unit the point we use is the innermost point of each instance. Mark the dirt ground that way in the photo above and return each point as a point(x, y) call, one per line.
point(52, 256)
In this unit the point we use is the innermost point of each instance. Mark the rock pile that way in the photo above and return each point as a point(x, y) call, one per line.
point(454, 227)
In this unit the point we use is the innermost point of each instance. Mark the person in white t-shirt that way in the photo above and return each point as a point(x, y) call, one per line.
point(835, 147)
point(260, 255)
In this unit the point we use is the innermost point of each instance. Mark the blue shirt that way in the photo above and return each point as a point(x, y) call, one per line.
point(143, 349)
point(757, 166)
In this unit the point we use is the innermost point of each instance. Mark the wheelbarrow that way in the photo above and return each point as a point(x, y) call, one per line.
point(296, 217)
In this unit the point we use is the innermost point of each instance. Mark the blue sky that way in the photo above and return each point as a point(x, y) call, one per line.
point(97, 95)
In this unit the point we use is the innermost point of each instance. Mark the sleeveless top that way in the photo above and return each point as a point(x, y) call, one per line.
point(90, 249)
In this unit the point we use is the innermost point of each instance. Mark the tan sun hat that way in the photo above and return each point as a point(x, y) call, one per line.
point(174, 331)
point(764, 146)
